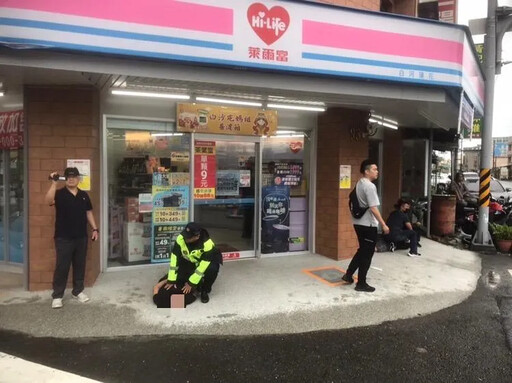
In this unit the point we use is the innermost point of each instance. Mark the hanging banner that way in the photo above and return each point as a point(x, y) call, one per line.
point(226, 120)
point(205, 167)
point(275, 219)
point(11, 130)
point(84, 168)
point(170, 215)
point(467, 113)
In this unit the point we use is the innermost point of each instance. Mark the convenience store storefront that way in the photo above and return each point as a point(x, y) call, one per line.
point(297, 54)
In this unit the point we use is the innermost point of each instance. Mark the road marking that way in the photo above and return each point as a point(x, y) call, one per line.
point(17, 370)
point(510, 271)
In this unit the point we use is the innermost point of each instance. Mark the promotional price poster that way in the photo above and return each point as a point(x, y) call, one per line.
point(170, 215)
point(275, 219)
point(205, 168)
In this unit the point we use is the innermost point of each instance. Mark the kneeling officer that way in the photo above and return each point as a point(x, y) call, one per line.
point(195, 262)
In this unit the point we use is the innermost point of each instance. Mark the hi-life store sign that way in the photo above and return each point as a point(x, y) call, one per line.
point(275, 35)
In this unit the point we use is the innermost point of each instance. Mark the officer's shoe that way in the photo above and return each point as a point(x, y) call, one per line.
point(204, 297)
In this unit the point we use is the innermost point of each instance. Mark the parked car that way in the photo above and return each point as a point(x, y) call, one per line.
point(498, 191)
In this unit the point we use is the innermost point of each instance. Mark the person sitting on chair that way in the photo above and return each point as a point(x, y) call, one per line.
point(400, 228)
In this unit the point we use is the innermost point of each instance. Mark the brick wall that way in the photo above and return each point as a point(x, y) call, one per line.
point(62, 123)
point(335, 237)
point(372, 5)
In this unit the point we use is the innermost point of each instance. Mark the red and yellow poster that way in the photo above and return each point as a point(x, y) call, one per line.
point(226, 120)
point(11, 130)
point(205, 167)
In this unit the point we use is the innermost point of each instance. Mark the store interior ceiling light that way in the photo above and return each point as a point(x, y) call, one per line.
point(166, 134)
point(279, 132)
point(228, 101)
point(150, 94)
point(383, 121)
point(296, 107)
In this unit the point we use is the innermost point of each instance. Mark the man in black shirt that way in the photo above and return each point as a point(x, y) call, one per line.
point(73, 209)
point(400, 228)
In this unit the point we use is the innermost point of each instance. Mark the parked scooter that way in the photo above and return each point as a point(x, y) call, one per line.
point(498, 214)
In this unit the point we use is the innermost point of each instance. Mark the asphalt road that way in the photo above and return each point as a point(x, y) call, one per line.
point(464, 343)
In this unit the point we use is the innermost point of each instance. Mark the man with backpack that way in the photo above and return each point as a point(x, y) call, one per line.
point(364, 203)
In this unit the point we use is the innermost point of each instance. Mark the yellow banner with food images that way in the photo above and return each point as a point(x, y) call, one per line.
point(201, 118)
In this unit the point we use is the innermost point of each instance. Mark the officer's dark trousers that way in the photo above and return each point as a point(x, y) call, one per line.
point(186, 269)
point(69, 252)
point(367, 237)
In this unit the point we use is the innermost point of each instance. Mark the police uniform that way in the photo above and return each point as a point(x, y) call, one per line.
point(196, 263)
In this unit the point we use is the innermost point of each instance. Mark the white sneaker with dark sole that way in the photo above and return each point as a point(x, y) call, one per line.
point(413, 254)
point(82, 298)
point(57, 303)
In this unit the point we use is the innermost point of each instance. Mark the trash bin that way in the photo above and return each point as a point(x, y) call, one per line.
point(442, 214)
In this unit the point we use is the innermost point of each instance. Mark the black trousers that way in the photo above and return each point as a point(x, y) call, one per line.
point(413, 236)
point(367, 238)
point(186, 269)
point(69, 252)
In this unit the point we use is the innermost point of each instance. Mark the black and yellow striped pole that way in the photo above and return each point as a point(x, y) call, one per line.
point(484, 196)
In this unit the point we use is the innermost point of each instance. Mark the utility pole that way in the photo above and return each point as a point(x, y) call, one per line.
point(499, 21)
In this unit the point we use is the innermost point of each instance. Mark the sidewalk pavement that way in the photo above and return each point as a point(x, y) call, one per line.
point(257, 296)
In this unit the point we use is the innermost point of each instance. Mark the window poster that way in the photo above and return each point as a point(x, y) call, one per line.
point(345, 176)
point(288, 173)
point(228, 183)
point(84, 168)
point(205, 168)
point(170, 215)
point(275, 221)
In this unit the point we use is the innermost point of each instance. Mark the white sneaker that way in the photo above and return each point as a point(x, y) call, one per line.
point(413, 254)
point(57, 303)
point(82, 298)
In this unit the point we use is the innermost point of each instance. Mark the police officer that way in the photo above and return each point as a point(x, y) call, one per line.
point(194, 262)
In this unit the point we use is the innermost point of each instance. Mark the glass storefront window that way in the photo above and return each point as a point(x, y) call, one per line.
point(229, 215)
point(144, 158)
point(285, 192)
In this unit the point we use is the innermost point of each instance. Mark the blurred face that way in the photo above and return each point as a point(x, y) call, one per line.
point(372, 173)
point(460, 178)
point(192, 239)
point(72, 181)
point(405, 207)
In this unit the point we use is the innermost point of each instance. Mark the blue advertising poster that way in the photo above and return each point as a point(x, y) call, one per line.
point(170, 215)
point(275, 219)
point(500, 149)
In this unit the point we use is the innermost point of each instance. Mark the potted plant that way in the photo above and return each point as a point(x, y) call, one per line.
point(503, 237)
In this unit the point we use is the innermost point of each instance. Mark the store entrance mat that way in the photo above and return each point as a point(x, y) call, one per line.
point(330, 275)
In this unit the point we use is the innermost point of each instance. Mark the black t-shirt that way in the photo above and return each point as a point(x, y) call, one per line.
point(71, 217)
point(397, 220)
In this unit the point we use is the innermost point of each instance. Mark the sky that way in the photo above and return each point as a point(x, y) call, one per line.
point(502, 124)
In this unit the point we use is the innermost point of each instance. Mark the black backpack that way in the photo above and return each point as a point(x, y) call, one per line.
point(354, 206)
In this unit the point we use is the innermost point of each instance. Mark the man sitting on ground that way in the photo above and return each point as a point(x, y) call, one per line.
point(400, 228)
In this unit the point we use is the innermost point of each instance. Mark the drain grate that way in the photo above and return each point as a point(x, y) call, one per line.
point(330, 275)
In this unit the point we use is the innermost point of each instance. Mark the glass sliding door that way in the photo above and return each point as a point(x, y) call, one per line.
point(285, 208)
point(11, 206)
point(224, 184)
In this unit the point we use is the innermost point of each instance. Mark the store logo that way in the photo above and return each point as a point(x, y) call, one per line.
point(295, 147)
point(268, 24)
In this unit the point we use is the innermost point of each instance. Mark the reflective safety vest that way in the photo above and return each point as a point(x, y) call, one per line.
point(193, 256)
